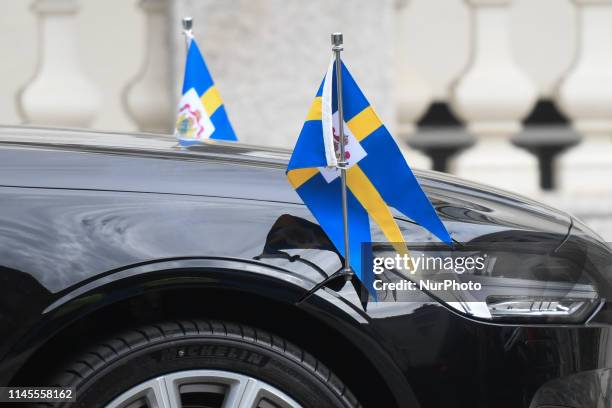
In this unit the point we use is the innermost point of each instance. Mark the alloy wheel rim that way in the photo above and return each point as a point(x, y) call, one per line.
point(203, 389)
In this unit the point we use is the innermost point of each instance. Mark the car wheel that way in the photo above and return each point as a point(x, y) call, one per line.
point(200, 364)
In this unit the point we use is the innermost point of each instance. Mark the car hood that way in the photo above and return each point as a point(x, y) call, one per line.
point(42, 158)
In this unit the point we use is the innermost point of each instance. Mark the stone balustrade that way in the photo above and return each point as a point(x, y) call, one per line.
point(414, 59)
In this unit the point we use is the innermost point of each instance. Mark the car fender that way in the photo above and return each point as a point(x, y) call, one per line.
point(278, 284)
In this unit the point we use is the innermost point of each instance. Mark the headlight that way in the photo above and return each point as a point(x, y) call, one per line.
point(535, 282)
point(507, 306)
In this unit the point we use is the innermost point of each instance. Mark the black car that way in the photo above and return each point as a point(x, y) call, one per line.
point(140, 274)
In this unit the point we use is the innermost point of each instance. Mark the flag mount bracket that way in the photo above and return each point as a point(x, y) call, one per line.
point(329, 281)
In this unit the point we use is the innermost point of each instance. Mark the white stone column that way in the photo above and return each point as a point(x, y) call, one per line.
point(492, 97)
point(585, 95)
point(148, 98)
point(59, 93)
point(413, 95)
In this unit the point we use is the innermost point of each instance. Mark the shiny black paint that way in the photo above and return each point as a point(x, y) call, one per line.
point(89, 219)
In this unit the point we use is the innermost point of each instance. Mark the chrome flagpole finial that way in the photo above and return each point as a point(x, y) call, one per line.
point(187, 24)
point(337, 41)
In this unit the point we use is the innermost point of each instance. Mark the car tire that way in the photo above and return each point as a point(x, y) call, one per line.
point(108, 370)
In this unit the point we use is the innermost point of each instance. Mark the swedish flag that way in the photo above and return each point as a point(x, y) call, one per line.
point(377, 175)
point(201, 112)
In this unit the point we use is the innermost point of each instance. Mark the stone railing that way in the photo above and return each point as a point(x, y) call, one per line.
point(566, 161)
point(493, 95)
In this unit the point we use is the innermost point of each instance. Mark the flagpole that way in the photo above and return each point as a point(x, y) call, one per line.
point(337, 47)
point(187, 23)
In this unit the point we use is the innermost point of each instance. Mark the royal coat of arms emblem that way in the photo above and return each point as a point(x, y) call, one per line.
point(193, 123)
point(353, 151)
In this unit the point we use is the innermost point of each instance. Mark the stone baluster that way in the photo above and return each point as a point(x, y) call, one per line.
point(59, 93)
point(148, 98)
point(413, 95)
point(585, 95)
point(492, 97)
point(412, 98)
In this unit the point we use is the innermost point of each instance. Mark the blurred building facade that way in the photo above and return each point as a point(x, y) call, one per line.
point(514, 93)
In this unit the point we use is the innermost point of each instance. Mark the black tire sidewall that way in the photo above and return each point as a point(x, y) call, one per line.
point(272, 366)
